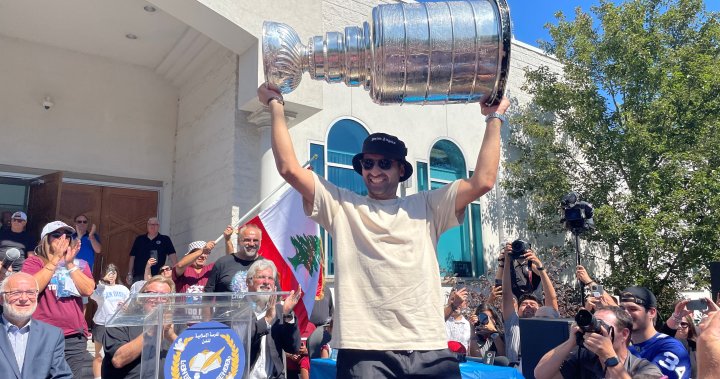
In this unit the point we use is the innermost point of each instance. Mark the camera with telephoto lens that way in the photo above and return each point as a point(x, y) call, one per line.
point(519, 247)
point(589, 324)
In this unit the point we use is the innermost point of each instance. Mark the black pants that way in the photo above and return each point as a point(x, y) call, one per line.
point(415, 364)
point(76, 353)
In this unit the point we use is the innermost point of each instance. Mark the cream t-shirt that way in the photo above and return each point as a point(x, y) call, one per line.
point(387, 279)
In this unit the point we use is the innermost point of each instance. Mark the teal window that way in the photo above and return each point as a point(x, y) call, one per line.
point(456, 247)
point(422, 175)
point(344, 141)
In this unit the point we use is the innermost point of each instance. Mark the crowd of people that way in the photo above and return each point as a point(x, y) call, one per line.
point(620, 339)
point(45, 297)
point(389, 321)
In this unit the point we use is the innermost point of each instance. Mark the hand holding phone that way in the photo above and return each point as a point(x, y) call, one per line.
point(697, 305)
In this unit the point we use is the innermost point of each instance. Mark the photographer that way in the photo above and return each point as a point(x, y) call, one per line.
point(489, 334)
point(528, 303)
point(599, 349)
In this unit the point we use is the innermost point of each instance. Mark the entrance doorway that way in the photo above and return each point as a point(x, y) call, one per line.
point(120, 215)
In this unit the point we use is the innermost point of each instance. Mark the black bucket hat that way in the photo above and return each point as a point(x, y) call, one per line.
point(388, 146)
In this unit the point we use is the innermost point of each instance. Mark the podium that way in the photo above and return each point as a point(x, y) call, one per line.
point(214, 332)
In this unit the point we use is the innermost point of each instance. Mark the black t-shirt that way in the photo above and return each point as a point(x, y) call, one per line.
point(113, 339)
point(143, 247)
point(584, 364)
point(22, 241)
point(322, 309)
point(229, 274)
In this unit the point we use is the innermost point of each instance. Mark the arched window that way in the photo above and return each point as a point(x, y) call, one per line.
point(460, 248)
point(344, 141)
point(334, 163)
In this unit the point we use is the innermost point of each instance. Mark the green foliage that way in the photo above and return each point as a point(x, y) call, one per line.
point(632, 125)
point(308, 252)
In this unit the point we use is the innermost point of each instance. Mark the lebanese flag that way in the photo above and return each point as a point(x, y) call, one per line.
point(292, 241)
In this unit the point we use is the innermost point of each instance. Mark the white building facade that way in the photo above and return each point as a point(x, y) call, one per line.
point(168, 123)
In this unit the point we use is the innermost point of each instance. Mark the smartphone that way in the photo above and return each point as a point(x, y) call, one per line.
point(460, 284)
point(498, 282)
point(697, 305)
point(597, 290)
point(154, 254)
point(489, 358)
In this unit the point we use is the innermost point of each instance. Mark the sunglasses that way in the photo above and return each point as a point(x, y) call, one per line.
point(60, 234)
point(81, 221)
point(165, 269)
point(18, 220)
point(384, 163)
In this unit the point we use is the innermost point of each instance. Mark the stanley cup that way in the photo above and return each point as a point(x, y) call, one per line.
point(420, 53)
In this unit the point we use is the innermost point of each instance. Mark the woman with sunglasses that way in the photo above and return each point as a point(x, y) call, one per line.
point(488, 333)
point(62, 280)
point(681, 326)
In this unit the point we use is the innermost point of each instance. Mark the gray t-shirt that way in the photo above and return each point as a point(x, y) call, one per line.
point(387, 278)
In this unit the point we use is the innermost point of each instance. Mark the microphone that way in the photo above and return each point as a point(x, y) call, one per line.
point(11, 255)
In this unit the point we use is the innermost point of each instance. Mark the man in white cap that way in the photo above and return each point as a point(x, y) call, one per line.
point(17, 237)
point(192, 272)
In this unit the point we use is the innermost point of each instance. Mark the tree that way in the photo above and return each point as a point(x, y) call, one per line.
point(632, 124)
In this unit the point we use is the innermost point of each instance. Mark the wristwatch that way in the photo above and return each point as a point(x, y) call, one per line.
point(496, 115)
point(611, 362)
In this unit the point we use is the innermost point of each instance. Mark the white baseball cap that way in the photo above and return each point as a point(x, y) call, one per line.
point(54, 226)
point(19, 215)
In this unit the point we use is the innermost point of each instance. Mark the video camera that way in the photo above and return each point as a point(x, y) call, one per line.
point(577, 215)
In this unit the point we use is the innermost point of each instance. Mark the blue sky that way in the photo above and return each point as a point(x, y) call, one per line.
point(530, 16)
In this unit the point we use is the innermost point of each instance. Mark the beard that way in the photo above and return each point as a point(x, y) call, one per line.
point(249, 252)
point(16, 315)
point(262, 300)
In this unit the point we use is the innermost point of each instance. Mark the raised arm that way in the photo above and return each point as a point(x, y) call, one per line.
point(227, 234)
point(188, 259)
point(508, 305)
point(486, 167)
point(282, 146)
point(549, 365)
point(548, 288)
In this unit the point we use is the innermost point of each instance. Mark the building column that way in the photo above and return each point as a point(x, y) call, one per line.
point(270, 180)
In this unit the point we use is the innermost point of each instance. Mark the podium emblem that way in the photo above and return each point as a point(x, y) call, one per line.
point(206, 350)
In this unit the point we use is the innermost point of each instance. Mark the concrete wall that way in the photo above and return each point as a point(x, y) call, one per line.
point(203, 177)
point(109, 118)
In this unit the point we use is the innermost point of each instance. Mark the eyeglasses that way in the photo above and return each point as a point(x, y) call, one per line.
point(18, 220)
point(384, 163)
point(251, 240)
point(14, 295)
point(262, 277)
point(81, 221)
point(60, 234)
point(684, 325)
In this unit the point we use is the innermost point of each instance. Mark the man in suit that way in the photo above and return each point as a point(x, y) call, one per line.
point(32, 348)
point(276, 329)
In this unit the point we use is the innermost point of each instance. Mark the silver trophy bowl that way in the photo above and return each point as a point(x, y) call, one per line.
point(421, 53)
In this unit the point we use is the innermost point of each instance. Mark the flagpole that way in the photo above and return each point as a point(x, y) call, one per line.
point(251, 213)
